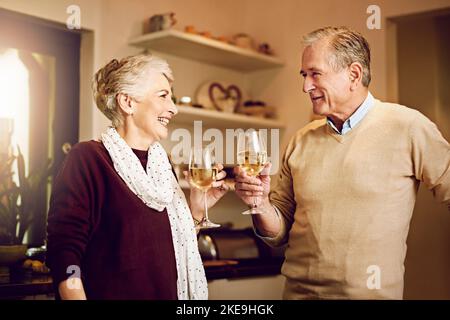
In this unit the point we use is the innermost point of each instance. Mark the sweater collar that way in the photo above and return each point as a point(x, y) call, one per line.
point(356, 117)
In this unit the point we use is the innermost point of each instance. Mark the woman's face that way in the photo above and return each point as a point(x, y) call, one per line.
point(152, 114)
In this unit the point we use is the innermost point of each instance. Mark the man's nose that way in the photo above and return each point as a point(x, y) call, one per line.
point(307, 85)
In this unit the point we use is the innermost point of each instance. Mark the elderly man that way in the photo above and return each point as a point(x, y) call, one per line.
point(347, 183)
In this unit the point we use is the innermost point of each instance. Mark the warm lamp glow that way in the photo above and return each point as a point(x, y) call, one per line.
point(14, 93)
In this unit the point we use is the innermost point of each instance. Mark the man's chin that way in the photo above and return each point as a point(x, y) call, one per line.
point(320, 110)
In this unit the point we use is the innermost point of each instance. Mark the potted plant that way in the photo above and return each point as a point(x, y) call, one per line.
point(19, 205)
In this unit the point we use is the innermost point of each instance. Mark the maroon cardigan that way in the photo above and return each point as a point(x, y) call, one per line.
point(123, 248)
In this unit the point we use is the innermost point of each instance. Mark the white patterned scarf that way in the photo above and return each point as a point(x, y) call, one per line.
point(159, 189)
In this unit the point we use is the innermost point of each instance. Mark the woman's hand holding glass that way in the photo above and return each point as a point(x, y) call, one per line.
point(207, 178)
point(214, 194)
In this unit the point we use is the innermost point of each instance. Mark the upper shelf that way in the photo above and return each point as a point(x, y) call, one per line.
point(217, 119)
point(207, 50)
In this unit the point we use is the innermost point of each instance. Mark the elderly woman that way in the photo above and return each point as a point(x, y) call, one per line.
point(119, 226)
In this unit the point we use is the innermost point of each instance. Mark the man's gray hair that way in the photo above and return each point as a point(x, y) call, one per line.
point(128, 76)
point(346, 46)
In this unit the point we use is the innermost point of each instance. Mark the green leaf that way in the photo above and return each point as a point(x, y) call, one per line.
point(5, 219)
point(20, 166)
point(31, 192)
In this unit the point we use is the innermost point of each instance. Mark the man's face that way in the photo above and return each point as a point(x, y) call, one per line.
point(329, 90)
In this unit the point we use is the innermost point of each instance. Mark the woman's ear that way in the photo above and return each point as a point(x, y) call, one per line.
point(356, 72)
point(125, 103)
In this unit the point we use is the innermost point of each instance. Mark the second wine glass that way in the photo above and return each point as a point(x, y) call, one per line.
point(203, 173)
point(252, 157)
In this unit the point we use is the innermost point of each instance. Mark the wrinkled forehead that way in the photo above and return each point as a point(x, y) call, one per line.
point(157, 81)
point(317, 55)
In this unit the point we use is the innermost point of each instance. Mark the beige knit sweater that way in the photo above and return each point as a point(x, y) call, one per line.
point(346, 202)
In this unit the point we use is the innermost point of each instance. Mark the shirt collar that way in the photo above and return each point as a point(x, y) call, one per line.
point(356, 117)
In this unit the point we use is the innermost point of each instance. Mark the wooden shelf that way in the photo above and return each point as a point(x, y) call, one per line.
point(196, 47)
point(216, 119)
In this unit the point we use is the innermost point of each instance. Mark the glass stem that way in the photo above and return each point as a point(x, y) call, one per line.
point(206, 205)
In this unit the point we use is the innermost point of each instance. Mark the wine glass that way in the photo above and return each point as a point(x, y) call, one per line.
point(203, 173)
point(252, 157)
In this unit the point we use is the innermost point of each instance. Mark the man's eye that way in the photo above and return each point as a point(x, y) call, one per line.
point(316, 74)
point(163, 96)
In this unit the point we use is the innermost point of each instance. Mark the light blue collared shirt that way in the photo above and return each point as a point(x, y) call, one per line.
point(356, 117)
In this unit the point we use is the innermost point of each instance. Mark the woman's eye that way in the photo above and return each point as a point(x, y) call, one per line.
point(163, 96)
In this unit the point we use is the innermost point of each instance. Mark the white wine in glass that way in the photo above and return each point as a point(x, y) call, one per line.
point(202, 175)
point(252, 162)
point(202, 178)
point(252, 158)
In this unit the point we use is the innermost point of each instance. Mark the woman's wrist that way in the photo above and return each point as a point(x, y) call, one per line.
point(197, 213)
point(197, 221)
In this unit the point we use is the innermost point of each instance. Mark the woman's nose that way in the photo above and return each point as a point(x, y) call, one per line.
point(173, 108)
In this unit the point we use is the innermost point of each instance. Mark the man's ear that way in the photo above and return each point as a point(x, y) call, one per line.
point(125, 103)
point(356, 73)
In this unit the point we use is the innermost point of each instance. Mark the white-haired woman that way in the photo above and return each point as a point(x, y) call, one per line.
point(119, 226)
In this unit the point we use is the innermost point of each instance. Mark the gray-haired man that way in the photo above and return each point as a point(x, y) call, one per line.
point(347, 184)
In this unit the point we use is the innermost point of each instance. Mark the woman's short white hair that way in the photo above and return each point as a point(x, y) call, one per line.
point(346, 46)
point(128, 76)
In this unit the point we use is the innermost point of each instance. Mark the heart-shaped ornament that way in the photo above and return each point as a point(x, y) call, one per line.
point(223, 98)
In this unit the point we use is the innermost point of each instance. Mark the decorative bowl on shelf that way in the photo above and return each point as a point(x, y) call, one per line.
point(254, 111)
point(244, 41)
point(257, 109)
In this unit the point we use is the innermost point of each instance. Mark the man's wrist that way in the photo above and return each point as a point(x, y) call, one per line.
point(265, 203)
point(262, 205)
